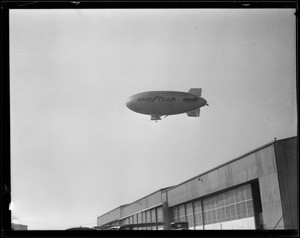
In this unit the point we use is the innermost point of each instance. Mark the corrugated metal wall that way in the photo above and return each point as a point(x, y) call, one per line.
point(108, 217)
point(142, 204)
point(250, 167)
point(259, 165)
point(287, 163)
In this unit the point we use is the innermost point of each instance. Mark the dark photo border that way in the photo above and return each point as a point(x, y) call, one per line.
point(6, 230)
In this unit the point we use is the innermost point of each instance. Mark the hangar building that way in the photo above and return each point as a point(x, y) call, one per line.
point(258, 190)
point(18, 227)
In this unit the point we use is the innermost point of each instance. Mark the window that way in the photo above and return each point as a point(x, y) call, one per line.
point(239, 194)
point(220, 214)
point(230, 205)
point(181, 213)
point(249, 206)
point(213, 216)
point(189, 214)
point(159, 214)
point(241, 210)
point(144, 217)
point(135, 219)
point(229, 197)
point(153, 215)
point(248, 192)
point(207, 217)
point(175, 214)
point(230, 213)
point(227, 206)
point(148, 216)
point(140, 218)
point(198, 213)
point(220, 201)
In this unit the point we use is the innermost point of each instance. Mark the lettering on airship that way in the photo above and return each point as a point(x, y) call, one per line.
point(157, 99)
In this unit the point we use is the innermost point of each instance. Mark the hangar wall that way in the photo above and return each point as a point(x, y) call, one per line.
point(145, 210)
point(259, 164)
point(287, 163)
point(237, 171)
point(147, 202)
point(257, 190)
point(109, 217)
point(271, 202)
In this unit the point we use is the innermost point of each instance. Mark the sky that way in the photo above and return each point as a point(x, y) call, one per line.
point(78, 152)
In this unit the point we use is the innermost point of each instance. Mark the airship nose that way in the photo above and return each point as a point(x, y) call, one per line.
point(129, 103)
point(133, 105)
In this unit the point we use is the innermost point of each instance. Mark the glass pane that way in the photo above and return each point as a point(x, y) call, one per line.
point(222, 214)
point(181, 213)
point(207, 217)
point(239, 194)
point(159, 214)
point(232, 212)
point(220, 200)
point(153, 215)
point(198, 213)
point(213, 216)
point(175, 214)
point(250, 212)
point(148, 216)
point(241, 210)
point(197, 206)
point(189, 214)
point(248, 192)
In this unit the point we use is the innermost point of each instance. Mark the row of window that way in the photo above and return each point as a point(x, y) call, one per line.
point(233, 204)
point(152, 215)
point(149, 228)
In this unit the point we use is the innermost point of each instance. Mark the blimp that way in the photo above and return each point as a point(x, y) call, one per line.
point(166, 103)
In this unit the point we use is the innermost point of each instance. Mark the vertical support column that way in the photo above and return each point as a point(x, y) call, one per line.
point(203, 223)
point(156, 218)
point(193, 211)
point(167, 215)
point(257, 205)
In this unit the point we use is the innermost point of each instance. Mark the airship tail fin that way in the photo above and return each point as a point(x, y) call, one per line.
point(195, 91)
point(194, 113)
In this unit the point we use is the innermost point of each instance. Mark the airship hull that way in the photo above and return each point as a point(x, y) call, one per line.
point(164, 102)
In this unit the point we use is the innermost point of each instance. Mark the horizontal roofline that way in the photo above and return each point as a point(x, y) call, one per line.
point(119, 207)
point(162, 189)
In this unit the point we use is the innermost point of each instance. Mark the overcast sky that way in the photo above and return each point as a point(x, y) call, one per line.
point(77, 151)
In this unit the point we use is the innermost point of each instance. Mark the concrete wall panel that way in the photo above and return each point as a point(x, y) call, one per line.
point(287, 163)
point(271, 201)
